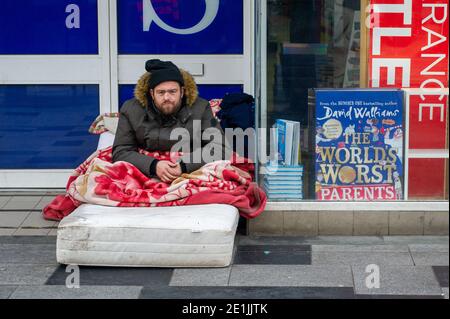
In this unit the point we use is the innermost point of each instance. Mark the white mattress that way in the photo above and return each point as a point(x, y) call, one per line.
point(183, 236)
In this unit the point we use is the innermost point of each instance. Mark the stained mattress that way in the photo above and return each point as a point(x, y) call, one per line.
point(181, 236)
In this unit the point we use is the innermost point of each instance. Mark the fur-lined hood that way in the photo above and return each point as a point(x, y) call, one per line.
point(190, 89)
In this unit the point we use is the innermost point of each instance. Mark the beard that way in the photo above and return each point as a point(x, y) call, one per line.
point(169, 108)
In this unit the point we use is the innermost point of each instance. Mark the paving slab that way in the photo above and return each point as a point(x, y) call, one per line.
point(290, 275)
point(247, 293)
point(84, 292)
point(398, 280)
point(35, 220)
point(7, 231)
point(9, 219)
point(25, 274)
point(407, 240)
point(381, 296)
point(28, 254)
point(53, 232)
point(317, 240)
point(110, 276)
point(361, 258)
point(45, 200)
point(273, 254)
point(429, 248)
point(441, 273)
point(360, 248)
point(430, 258)
point(6, 291)
point(32, 232)
point(4, 200)
point(22, 202)
point(345, 240)
point(200, 277)
point(27, 240)
point(271, 240)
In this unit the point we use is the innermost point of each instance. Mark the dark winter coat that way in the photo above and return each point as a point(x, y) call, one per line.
point(142, 126)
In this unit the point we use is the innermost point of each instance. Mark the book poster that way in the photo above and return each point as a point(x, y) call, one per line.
point(359, 145)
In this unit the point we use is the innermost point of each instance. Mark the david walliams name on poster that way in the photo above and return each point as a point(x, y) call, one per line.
point(369, 110)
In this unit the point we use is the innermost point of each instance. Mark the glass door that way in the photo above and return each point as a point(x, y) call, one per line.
point(209, 39)
point(54, 81)
point(73, 60)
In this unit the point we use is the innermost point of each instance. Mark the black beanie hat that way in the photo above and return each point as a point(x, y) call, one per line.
point(162, 71)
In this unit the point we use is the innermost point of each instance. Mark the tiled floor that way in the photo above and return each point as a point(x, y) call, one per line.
point(21, 215)
point(28, 269)
point(262, 268)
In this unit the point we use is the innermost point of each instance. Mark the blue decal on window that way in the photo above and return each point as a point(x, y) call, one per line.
point(46, 126)
point(48, 27)
point(180, 26)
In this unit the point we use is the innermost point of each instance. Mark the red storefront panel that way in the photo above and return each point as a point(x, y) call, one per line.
point(427, 178)
point(408, 47)
point(428, 122)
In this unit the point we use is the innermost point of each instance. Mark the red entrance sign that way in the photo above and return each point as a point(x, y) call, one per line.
point(408, 43)
point(408, 48)
point(427, 122)
point(426, 178)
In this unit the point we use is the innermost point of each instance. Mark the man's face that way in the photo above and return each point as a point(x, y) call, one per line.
point(167, 97)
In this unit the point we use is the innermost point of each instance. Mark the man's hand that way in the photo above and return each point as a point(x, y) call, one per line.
point(168, 171)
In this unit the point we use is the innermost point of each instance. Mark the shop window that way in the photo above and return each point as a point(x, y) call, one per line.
point(408, 49)
point(48, 27)
point(428, 179)
point(325, 44)
point(46, 126)
point(428, 145)
point(310, 44)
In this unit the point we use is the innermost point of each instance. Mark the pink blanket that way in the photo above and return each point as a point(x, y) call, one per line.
point(99, 181)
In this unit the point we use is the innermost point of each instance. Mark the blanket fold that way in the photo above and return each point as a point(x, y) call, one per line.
point(101, 182)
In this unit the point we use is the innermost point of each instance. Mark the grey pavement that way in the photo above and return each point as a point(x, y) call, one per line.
point(263, 267)
point(28, 269)
point(201, 277)
point(398, 280)
point(83, 292)
point(25, 274)
point(291, 276)
point(21, 215)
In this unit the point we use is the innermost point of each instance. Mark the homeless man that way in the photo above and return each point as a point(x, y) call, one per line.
point(166, 98)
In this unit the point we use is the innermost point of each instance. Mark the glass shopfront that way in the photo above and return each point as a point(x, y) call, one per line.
point(316, 56)
point(62, 63)
point(85, 56)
